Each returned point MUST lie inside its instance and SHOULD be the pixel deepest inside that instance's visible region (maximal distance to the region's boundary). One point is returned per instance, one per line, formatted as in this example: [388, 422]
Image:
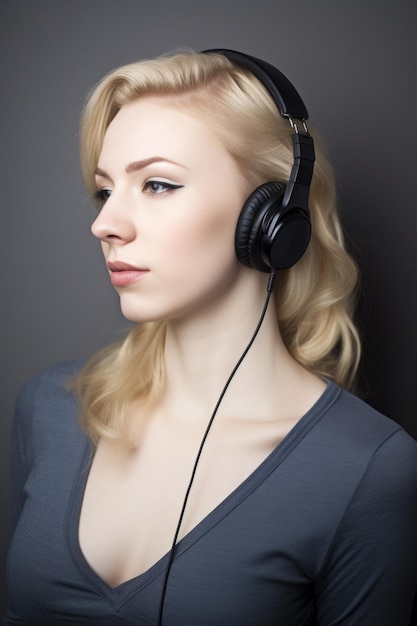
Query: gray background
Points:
[354, 64]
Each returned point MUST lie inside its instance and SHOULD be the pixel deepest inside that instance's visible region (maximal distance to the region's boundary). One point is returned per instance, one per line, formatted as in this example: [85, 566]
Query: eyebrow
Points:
[138, 165]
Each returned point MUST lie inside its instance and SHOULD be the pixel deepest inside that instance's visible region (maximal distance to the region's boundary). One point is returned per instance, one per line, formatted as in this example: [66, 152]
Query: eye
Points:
[156, 187]
[101, 196]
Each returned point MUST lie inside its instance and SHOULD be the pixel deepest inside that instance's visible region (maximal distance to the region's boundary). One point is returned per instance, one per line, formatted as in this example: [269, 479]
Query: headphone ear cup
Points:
[249, 231]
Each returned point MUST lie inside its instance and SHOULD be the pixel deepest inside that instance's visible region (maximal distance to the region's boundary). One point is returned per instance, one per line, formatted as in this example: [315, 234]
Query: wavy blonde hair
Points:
[314, 299]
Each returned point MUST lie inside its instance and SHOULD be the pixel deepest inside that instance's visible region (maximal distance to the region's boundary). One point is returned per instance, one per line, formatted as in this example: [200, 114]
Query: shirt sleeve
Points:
[369, 575]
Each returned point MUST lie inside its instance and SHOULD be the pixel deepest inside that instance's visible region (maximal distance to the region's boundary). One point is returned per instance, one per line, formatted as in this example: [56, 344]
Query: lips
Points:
[120, 266]
[123, 274]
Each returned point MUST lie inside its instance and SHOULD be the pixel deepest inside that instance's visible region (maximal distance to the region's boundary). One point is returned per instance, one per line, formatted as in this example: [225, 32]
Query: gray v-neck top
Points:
[323, 532]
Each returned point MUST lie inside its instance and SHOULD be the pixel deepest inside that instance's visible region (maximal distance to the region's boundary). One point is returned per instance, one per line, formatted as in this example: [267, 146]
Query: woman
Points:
[222, 474]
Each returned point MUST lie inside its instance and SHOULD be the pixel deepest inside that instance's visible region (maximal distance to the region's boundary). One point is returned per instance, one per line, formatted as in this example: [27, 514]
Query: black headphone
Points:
[274, 228]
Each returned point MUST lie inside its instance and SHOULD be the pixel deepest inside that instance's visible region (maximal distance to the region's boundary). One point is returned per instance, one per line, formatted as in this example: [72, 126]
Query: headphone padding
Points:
[250, 223]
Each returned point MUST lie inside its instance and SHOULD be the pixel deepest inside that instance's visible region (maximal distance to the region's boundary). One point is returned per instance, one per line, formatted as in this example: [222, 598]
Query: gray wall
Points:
[354, 64]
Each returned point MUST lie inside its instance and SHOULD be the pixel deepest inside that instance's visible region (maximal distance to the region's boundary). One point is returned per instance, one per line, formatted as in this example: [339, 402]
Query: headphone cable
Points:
[270, 288]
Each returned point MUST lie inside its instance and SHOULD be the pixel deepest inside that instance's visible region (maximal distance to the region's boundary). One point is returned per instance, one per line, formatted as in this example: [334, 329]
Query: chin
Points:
[141, 314]
[137, 317]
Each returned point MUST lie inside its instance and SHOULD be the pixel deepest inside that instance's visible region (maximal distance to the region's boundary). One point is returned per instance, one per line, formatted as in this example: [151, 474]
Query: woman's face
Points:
[170, 196]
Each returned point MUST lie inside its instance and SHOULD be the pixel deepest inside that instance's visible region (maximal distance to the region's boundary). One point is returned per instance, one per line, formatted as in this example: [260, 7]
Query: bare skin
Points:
[212, 305]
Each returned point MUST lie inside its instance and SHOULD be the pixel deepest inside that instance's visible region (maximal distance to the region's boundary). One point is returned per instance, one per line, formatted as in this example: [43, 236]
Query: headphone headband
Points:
[283, 92]
[274, 227]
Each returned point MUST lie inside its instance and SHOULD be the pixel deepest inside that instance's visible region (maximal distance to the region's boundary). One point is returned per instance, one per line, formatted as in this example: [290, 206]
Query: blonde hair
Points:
[314, 299]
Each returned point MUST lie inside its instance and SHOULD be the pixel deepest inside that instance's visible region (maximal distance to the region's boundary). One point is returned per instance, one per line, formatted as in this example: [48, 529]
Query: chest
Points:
[235, 567]
[133, 501]
[249, 561]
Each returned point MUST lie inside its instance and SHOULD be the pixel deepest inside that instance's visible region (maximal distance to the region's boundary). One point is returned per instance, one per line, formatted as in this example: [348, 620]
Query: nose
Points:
[113, 224]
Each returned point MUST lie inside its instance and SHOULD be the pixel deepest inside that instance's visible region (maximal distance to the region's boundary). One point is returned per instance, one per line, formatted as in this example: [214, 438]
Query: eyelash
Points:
[102, 195]
[147, 187]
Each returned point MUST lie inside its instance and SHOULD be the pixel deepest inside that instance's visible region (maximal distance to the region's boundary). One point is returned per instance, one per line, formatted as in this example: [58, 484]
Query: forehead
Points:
[151, 123]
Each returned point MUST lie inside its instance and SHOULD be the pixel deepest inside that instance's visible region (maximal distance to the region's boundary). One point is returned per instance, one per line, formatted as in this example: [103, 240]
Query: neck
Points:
[200, 358]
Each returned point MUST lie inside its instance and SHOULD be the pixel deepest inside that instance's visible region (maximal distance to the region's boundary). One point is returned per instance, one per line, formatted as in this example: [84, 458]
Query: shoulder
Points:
[353, 450]
[390, 453]
[377, 459]
[350, 423]
[45, 402]
[56, 376]
[49, 382]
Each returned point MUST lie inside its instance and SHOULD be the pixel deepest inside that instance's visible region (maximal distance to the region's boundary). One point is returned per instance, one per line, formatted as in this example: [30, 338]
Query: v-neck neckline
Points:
[122, 593]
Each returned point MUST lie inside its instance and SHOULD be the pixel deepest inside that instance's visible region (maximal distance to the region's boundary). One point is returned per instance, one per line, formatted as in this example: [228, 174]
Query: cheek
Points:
[209, 230]
[193, 243]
